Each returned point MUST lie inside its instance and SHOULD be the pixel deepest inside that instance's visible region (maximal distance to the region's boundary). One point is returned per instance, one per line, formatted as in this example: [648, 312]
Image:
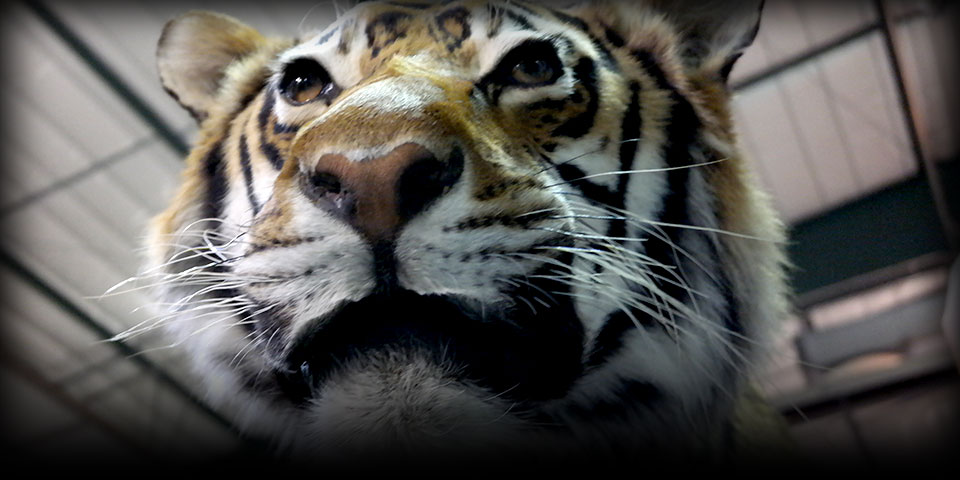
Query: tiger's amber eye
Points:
[304, 80]
[304, 89]
[533, 63]
[533, 71]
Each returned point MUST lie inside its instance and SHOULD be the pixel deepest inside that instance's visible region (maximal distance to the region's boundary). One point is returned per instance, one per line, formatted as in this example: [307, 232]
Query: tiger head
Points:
[476, 226]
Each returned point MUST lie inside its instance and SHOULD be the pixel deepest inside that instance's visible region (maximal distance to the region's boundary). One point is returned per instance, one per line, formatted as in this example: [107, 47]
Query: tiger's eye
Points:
[533, 71]
[533, 63]
[305, 80]
[304, 89]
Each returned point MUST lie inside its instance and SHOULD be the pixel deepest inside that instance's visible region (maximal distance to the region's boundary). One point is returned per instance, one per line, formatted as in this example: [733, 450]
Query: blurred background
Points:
[847, 109]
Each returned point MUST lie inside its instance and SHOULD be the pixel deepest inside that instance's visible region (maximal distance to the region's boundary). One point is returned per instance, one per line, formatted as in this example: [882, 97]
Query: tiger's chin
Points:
[403, 405]
[401, 373]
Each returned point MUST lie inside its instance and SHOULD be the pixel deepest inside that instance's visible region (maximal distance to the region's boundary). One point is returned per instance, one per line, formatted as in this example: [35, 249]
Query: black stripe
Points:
[411, 5]
[326, 38]
[629, 144]
[388, 27]
[609, 339]
[731, 313]
[282, 128]
[681, 134]
[571, 20]
[518, 19]
[525, 8]
[613, 38]
[272, 154]
[649, 64]
[460, 15]
[265, 111]
[249, 98]
[573, 175]
[608, 58]
[584, 73]
[214, 172]
[215, 175]
[347, 30]
[506, 220]
[275, 243]
[578, 23]
[263, 119]
[248, 173]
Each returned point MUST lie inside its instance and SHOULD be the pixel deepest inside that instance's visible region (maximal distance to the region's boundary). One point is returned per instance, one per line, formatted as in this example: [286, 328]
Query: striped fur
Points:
[579, 265]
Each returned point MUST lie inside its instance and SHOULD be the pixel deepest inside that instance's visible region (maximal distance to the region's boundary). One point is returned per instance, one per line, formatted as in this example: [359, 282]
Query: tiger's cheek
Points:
[541, 120]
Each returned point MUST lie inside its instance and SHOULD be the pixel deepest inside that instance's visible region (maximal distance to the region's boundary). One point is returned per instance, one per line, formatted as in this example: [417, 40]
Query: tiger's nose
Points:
[378, 196]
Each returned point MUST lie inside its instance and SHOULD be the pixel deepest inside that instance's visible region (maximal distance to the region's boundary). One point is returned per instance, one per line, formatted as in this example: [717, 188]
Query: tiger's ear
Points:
[714, 33]
[710, 34]
[194, 52]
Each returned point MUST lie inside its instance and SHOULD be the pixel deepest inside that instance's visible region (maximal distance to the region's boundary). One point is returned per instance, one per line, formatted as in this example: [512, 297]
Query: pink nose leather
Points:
[378, 195]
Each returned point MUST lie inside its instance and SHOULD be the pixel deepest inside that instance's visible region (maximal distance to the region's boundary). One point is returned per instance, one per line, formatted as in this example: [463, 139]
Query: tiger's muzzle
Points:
[513, 353]
[388, 173]
[378, 195]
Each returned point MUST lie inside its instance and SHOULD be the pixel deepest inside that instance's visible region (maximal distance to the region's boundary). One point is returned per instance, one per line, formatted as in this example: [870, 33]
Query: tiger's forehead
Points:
[447, 23]
[464, 36]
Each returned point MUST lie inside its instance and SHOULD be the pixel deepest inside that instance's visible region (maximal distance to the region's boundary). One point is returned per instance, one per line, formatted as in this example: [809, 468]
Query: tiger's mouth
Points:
[519, 352]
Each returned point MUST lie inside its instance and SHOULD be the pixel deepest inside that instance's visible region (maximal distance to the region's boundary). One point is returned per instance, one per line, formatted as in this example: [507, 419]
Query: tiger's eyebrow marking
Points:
[385, 29]
[347, 31]
[454, 26]
[326, 37]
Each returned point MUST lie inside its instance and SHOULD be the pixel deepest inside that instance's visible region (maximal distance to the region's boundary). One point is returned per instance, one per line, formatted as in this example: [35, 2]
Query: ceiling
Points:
[92, 147]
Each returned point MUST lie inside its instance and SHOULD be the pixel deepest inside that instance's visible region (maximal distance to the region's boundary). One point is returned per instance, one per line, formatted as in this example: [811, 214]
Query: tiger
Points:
[492, 229]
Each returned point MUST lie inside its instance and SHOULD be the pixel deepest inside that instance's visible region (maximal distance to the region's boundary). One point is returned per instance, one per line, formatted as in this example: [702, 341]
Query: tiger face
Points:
[476, 226]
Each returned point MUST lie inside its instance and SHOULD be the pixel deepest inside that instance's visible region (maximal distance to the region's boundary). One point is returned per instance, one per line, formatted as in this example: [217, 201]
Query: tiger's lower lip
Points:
[523, 355]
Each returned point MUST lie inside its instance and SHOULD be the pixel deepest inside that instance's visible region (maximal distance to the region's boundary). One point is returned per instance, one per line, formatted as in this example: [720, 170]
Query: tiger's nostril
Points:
[426, 179]
[325, 189]
[328, 182]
